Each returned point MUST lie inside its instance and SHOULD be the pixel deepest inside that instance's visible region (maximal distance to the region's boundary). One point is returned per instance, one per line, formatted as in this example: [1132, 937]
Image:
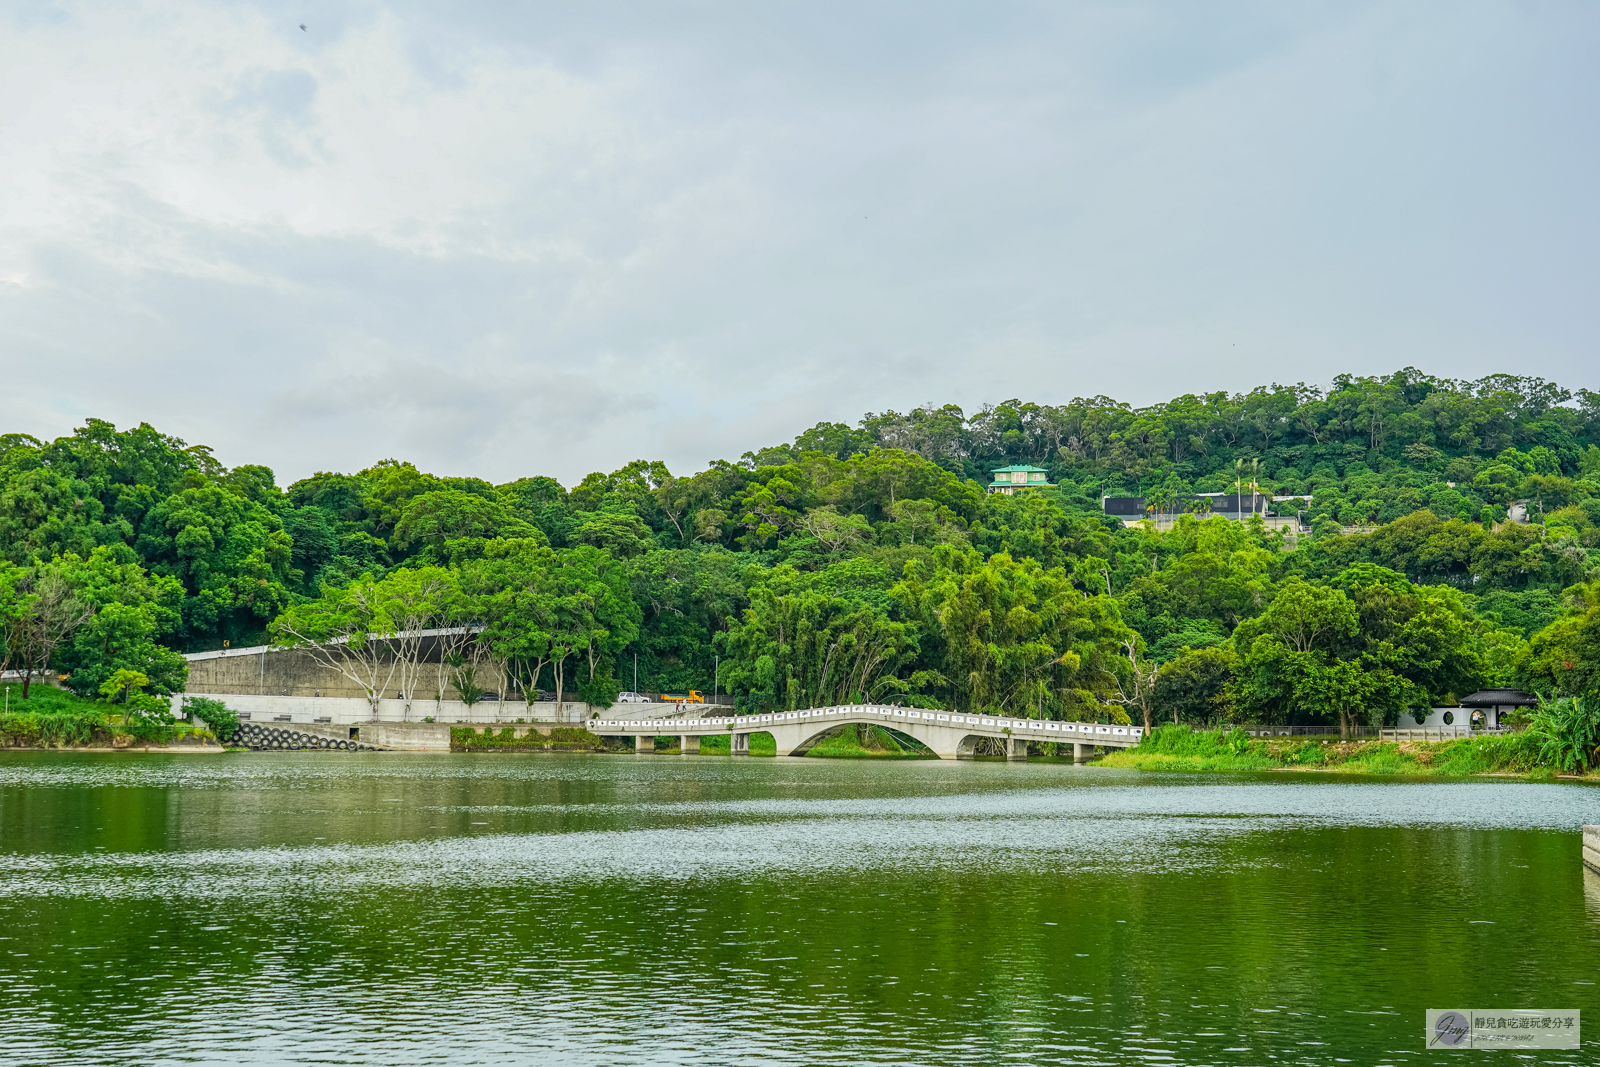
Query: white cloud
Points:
[519, 239]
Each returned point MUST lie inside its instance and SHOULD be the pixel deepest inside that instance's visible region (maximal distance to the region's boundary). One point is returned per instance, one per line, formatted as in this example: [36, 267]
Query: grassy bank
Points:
[722, 745]
[853, 741]
[1177, 749]
[56, 718]
[558, 739]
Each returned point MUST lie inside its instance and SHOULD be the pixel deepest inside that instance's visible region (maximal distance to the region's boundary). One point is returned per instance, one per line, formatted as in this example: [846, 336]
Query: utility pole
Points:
[716, 675]
[636, 672]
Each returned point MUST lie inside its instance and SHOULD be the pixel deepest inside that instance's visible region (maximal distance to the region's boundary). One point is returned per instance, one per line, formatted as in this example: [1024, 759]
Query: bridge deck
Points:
[881, 714]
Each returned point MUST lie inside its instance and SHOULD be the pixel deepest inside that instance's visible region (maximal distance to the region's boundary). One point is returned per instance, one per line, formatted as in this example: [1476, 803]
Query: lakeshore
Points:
[1495, 756]
[1513, 755]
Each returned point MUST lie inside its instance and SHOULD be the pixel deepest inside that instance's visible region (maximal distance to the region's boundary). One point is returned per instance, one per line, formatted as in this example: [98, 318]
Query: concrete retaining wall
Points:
[407, 736]
[1591, 848]
[401, 736]
[262, 671]
[352, 710]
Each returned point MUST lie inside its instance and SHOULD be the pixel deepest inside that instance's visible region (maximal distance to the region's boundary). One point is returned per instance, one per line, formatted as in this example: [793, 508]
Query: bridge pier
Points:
[1078, 752]
[689, 744]
[644, 742]
[739, 744]
[1016, 749]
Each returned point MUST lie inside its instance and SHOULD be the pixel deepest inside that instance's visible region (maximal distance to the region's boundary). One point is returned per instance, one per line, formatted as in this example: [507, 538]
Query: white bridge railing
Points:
[1033, 729]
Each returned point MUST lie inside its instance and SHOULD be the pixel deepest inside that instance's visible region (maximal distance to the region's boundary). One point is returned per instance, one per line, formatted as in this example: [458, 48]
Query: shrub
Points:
[1495, 752]
[1306, 754]
[69, 728]
[50, 727]
[20, 728]
[1568, 731]
[218, 717]
[1384, 759]
[1173, 739]
[1178, 748]
[147, 718]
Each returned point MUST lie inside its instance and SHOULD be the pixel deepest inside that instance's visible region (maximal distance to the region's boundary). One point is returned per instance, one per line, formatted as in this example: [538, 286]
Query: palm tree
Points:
[1158, 500]
[1238, 484]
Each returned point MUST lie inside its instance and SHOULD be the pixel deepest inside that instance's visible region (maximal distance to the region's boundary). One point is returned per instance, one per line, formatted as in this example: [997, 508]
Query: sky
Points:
[505, 239]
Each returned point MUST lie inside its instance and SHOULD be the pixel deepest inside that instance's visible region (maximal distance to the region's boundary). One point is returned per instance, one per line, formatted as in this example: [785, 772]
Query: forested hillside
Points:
[869, 562]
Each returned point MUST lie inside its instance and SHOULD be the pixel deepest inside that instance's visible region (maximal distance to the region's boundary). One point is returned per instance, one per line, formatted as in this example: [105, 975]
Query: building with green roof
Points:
[1017, 477]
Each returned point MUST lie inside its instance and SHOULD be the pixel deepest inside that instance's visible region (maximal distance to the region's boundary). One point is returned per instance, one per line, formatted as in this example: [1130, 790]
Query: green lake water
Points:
[549, 909]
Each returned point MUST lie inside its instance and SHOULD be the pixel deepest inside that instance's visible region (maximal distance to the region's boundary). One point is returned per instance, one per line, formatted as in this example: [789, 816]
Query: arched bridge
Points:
[948, 734]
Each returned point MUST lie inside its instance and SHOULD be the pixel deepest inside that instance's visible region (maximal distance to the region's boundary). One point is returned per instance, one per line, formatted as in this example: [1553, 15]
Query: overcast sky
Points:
[517, 238]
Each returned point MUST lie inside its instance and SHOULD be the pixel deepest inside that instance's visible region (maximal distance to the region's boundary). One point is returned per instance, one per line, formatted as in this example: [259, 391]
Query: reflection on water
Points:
[603, 910]
[1591, 894]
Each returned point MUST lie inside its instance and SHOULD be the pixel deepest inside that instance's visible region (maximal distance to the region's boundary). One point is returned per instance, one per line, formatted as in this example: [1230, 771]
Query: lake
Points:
[553, 909]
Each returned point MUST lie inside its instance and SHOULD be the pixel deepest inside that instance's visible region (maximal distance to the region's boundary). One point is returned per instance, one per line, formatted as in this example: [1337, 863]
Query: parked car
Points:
[632, 698]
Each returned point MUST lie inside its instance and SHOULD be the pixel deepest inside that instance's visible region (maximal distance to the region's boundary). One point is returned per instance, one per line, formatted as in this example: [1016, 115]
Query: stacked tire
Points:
[278, 739]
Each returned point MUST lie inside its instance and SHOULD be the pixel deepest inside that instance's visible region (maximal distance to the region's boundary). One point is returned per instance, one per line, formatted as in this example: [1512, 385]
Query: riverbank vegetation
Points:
[53, 717]
[1177, 748]
[509, 739]
[871, 563]
[865, 741]
[761, 744]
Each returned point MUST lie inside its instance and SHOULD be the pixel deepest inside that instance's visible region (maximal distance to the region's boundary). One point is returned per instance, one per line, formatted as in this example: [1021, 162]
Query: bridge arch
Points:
[943, 737]
[823, 729]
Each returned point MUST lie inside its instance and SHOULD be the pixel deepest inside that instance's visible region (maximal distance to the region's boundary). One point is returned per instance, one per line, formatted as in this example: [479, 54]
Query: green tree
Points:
[370, 630]
[806, 649]
[231, 555]
[431, 519]
[1197, 685]
[1013, 637]
[1286, 655]
[16, 604]
[687, 597]
[1304, 618]
[545, 608]
[120, 688]
[218, 717]
[130, 619]
[1563, 659]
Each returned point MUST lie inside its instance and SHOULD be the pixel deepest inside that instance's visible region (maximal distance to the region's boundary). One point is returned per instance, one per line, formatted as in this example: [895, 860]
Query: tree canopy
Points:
[1453, 526]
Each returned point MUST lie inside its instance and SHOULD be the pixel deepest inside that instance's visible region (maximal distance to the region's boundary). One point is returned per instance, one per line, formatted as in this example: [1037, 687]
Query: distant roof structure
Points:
[1499, 698]
[257, 650]
[1019, 476]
